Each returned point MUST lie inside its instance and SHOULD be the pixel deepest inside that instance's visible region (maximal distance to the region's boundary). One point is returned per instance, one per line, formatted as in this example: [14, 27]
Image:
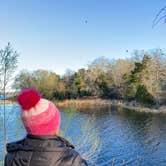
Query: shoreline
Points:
[98, 102]
[90, 103]
[161, 109]
[7, 102]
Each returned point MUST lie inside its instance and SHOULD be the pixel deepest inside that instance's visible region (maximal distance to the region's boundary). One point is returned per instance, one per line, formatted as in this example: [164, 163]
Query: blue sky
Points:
[68, 34]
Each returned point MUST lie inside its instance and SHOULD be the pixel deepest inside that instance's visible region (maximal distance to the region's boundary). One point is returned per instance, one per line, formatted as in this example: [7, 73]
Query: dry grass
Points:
[83, 103]
[97, 102]
[7, 102]
[91, 103]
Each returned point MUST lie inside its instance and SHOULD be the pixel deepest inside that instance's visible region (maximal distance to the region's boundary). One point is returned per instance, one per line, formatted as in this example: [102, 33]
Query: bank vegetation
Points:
[140, 79]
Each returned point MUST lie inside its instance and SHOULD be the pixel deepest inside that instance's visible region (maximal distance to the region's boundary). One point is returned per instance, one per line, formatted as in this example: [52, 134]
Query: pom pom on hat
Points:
[28, 98]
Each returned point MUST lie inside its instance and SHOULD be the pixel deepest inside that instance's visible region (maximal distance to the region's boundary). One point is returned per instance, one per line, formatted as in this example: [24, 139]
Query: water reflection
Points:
[106, 136]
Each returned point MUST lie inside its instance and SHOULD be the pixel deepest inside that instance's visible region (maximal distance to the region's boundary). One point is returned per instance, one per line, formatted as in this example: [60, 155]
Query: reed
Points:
[7, 102]
[92, 103]
[83, 103]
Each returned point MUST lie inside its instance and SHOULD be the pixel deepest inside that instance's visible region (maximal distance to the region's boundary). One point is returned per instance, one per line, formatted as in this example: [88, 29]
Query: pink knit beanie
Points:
[39, 116]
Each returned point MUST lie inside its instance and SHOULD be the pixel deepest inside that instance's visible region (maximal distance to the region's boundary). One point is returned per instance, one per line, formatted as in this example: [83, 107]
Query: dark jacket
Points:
[42, 151]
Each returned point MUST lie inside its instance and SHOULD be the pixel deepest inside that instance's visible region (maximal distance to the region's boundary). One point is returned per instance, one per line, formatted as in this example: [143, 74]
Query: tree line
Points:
[141, 78]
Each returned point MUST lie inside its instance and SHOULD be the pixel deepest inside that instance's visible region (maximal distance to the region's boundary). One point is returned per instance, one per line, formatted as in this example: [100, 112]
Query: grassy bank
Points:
[97, 102]
[83, 103]
[161, 109]
[90, 103]
[7, 102]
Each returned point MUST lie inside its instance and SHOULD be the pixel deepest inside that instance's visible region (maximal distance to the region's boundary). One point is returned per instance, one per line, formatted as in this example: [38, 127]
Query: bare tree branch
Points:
[8, 64]
[161, 15]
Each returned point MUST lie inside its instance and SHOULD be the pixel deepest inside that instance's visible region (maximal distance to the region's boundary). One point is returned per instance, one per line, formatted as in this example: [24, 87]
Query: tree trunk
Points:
[4, 113]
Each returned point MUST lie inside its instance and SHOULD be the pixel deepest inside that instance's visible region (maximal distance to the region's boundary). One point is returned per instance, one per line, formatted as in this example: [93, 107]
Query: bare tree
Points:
[8, 64]
[161, 16]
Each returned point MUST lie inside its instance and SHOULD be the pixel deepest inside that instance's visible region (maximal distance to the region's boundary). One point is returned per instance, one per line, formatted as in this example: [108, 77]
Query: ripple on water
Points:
[106, 137]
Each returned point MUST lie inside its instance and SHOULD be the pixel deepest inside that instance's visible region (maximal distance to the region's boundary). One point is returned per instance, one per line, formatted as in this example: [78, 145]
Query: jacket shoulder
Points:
[73, 158]
[55, 151]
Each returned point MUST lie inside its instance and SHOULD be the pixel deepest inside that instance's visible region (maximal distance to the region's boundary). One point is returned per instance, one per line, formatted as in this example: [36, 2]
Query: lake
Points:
[105, 136]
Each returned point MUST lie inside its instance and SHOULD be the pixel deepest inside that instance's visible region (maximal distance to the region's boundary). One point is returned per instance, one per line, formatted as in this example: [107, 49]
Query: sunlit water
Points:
[105, 136]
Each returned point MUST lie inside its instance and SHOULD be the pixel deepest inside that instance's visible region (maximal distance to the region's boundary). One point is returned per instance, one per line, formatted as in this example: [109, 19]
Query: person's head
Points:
[39, 116]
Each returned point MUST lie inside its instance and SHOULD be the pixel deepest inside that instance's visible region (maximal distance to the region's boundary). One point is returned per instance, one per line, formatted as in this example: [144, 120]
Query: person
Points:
[42, 146]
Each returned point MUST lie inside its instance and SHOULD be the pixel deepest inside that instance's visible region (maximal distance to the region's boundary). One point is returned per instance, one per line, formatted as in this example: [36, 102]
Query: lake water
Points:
[105, 136]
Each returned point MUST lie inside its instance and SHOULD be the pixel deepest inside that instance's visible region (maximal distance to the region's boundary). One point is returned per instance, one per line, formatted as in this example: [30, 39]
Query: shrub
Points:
[143, 96]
